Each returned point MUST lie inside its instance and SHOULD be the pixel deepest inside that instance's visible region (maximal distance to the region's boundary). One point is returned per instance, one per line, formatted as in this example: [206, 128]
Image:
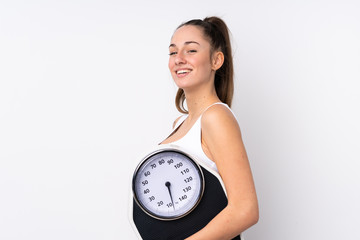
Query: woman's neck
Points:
[198, 101]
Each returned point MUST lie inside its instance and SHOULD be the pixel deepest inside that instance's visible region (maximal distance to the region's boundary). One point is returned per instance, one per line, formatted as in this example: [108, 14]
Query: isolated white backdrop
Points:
[84, 88]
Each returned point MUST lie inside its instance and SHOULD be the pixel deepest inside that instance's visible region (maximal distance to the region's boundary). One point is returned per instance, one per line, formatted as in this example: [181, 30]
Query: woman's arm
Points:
[222, 142]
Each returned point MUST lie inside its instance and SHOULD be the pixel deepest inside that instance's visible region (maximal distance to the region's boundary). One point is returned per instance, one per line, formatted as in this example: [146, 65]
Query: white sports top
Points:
[191, 142]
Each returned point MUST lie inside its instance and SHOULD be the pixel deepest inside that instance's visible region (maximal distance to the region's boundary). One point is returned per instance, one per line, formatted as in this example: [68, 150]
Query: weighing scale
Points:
[174, 195]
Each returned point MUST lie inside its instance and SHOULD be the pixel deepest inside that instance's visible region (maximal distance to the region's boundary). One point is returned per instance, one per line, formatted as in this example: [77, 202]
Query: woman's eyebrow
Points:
[186, 43]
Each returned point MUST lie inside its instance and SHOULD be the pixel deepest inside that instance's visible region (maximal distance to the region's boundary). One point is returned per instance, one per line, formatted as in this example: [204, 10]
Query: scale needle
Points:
[167, 184]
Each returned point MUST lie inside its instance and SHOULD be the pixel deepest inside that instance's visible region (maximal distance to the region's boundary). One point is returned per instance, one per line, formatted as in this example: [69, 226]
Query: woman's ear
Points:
[217, 60]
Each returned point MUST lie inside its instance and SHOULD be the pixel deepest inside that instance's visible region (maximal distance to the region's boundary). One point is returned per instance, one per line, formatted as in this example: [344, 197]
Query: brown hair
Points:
[217, 32]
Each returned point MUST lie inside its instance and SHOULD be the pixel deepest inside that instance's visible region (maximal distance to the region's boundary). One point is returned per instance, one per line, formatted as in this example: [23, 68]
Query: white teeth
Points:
[183, 71]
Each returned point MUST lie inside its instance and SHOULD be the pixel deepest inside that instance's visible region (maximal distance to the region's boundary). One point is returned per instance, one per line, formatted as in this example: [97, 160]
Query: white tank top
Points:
[191, 142]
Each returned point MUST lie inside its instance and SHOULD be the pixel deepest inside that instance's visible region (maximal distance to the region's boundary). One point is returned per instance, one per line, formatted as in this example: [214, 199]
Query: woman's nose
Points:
[179, 59]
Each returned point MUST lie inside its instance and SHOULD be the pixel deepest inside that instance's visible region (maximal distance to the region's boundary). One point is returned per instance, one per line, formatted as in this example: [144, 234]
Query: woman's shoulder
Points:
[218, 112]
[218, 117]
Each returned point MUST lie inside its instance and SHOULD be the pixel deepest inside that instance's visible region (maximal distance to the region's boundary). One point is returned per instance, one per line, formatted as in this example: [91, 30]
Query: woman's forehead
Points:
[186, 34]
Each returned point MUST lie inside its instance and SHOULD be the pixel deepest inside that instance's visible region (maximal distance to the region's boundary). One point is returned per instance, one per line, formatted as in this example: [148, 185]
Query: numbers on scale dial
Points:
[177, 189]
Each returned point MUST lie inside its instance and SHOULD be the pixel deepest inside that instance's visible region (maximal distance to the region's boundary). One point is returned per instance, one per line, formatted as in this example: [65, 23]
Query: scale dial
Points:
[168, 184]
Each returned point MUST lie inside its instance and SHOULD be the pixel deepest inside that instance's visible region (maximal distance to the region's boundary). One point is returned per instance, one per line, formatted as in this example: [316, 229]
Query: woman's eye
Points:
[192, 51]
[172, 53]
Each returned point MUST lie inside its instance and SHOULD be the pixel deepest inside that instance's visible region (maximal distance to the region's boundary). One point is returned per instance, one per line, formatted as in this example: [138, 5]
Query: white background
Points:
[84, 89]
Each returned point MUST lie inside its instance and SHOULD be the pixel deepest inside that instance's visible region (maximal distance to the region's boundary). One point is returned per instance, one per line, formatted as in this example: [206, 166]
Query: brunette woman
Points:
[201, 65]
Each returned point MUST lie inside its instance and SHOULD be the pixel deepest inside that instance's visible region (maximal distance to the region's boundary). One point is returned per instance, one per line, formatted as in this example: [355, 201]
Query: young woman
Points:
[201, 65]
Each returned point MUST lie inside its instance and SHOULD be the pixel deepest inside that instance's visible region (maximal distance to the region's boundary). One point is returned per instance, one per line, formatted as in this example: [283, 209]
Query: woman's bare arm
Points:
[222, 142]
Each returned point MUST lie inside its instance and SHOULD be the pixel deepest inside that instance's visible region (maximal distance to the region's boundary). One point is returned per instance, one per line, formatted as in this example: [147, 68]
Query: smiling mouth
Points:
[183, 72]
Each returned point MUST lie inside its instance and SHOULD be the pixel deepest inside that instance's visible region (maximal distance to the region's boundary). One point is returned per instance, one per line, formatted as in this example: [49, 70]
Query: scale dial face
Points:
[168, 184]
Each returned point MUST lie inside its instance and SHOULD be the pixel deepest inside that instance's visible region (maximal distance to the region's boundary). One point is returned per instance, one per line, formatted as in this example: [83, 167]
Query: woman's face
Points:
[190, 61]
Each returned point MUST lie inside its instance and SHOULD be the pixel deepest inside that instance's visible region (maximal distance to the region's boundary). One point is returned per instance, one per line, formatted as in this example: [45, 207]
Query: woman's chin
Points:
[182, 83]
